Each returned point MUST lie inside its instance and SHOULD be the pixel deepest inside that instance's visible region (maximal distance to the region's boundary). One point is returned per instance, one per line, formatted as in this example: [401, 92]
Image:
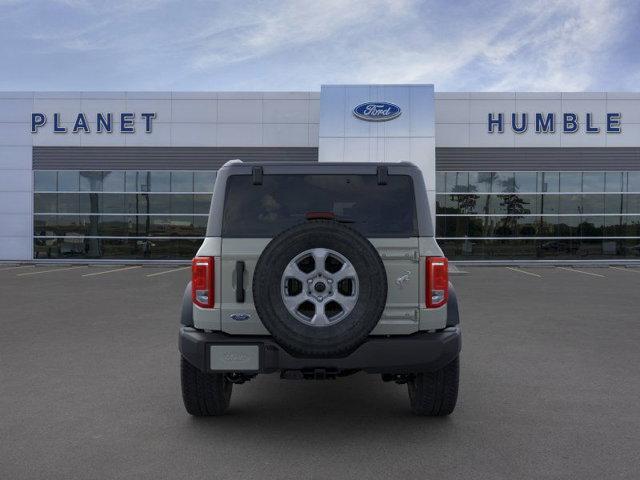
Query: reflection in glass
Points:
[158, 181]
[68, 181]
[504, 182]
[613, 182]
[592, 203]
[549, 182]
[90, 181]
[45, 181]
[113, 181]
[571, 181]
[526, 182]
[457, 182]
[593, 181]
[633, 182]
[182, 181]
[204, 181]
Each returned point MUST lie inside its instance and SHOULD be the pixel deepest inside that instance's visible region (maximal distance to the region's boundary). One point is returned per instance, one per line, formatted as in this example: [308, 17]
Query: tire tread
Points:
[204, 394]
[435, 394]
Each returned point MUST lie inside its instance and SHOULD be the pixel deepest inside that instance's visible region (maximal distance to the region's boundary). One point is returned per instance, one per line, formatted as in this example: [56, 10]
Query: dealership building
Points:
[129, 175]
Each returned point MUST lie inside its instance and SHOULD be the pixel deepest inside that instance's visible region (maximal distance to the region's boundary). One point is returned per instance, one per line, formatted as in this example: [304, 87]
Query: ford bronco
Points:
[319, 271]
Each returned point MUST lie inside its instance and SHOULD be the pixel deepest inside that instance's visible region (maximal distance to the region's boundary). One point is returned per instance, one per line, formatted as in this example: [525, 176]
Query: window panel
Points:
[526, 182]
[136, 181]
[441, 223]
[632, 225]
[593, 181]
[592, 203]
[440, 182]
[613, 182]
[548, 226]
[549, 182]
[204, 181]
[201, 203]
[631, 203]
[592, 226]
[181, 203]
[476, 226]
[571, 203]
[68, 181]
[45, 180]
[527, 226]
[113, 181]
[569, 226]
[68, 203]
[504, 182]
[45, 203]
[549, 204]
[614, 226]
[156, 203]
[182, 181]
[613, 203]
[91, 181]
[628, 248]
[570, 181]
[587, 249]
[441, 201]
[633, 181]
[159, 181]
[112, 203]
[503, 226]
[457, 226]
[457, 182]
[480, 181]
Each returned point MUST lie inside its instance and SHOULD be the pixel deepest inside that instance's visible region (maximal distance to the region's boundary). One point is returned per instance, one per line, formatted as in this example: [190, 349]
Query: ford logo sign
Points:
[377, 111]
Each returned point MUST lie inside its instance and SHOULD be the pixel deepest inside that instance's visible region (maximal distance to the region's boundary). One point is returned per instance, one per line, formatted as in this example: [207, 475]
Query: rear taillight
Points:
[202, 285]
[437, 275]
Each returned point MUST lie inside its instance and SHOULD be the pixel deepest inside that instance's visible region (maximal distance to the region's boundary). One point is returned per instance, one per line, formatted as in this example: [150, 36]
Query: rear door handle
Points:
[240, 281]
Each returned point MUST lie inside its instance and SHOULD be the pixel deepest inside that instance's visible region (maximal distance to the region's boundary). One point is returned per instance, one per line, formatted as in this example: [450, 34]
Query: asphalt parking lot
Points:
[89, 387]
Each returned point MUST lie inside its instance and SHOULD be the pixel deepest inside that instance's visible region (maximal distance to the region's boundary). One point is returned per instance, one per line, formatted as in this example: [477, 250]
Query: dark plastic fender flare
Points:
[186, 315]
[453, 312]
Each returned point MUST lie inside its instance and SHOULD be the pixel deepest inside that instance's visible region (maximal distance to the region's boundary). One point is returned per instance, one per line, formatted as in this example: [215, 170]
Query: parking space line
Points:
[581, 271]
[49, 271]
[514, 269]
[112, 271]
[626, 269]
[15, 268]
[167, 271]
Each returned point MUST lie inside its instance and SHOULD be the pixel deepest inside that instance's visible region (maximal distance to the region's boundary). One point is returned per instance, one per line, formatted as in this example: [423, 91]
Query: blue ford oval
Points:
[377, 111]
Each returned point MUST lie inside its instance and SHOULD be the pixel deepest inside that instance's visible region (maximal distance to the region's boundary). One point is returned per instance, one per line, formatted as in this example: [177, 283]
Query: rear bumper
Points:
[420, 352]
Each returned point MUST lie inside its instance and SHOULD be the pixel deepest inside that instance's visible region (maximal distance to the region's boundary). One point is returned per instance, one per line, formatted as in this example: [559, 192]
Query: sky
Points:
[283, 45]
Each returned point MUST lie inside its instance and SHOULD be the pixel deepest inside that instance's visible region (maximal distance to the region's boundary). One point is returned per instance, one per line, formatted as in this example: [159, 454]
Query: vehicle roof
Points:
[241, 163]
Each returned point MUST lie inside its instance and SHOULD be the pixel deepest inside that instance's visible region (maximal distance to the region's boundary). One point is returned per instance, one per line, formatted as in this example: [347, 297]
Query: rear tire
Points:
[434, 394]
[204, 394]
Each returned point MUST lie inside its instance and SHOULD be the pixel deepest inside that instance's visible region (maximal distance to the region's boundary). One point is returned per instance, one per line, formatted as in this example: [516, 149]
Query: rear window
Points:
[285, 200]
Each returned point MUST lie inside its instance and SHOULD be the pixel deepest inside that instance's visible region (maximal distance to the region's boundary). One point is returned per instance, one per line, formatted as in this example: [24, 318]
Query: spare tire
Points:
[320, 288]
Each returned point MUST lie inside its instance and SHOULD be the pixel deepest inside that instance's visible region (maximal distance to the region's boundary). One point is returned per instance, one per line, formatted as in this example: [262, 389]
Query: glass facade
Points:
[154, 215]
[538, 215]
[162, 215]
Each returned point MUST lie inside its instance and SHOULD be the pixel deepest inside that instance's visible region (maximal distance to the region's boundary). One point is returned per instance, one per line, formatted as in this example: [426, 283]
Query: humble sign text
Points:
[551, 122]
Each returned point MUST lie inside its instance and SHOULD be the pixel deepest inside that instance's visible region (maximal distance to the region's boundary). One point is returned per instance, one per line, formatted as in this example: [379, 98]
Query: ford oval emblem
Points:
[377, 111]
[240, 317]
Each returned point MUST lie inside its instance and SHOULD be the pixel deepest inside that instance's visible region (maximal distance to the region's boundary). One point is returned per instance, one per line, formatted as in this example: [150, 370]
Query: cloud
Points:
[299, 44]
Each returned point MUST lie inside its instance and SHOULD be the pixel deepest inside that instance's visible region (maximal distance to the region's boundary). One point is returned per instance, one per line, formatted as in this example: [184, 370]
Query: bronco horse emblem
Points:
[402, 279]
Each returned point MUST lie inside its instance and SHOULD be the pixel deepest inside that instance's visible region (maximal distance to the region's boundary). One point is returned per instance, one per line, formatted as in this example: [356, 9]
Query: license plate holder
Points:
[234, 358]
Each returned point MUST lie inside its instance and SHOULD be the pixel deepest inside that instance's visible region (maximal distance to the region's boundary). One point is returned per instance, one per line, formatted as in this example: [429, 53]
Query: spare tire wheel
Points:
[320, 288]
